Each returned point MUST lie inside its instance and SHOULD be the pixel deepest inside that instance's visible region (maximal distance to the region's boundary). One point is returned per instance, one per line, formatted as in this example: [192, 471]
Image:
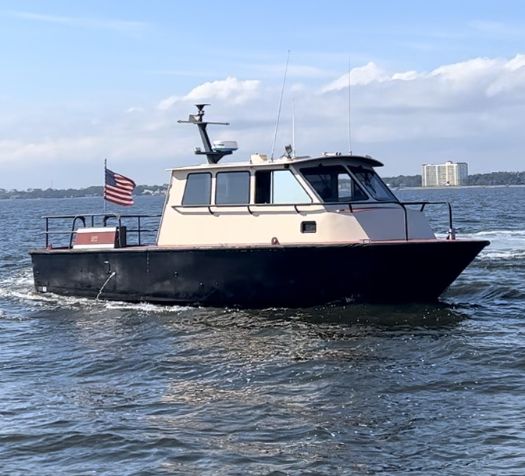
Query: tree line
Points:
[492, 178]
[94, 191]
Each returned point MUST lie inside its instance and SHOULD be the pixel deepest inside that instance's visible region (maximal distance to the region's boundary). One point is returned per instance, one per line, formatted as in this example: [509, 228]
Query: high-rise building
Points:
[441, 175]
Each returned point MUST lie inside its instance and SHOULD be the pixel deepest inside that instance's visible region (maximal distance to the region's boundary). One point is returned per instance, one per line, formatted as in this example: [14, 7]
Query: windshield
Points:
[333, 183]
[373, 184]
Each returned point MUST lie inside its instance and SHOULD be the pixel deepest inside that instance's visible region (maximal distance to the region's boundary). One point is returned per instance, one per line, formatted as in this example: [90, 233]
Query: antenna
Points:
[280, 104]
[349, 108]
[293, 127]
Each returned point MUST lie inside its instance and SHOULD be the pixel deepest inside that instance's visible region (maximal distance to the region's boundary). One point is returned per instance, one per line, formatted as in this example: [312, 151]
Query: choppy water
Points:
[90, 387]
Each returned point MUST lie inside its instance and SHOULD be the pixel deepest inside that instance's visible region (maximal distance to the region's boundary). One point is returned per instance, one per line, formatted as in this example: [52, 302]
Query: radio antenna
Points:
[349, 108]
[293, 127]
[280, 105]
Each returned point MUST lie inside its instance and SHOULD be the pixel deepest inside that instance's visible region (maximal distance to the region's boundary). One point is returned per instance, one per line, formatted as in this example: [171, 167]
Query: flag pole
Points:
[103, 194]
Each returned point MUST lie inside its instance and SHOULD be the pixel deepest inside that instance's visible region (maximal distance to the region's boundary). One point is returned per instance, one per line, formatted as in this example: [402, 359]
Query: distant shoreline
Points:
[491, 179]
[34, 195]
[401, 182]
[88, 192]
[453, 187]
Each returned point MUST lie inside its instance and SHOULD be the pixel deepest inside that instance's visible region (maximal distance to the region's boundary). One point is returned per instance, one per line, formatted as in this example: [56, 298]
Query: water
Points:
[91, 387]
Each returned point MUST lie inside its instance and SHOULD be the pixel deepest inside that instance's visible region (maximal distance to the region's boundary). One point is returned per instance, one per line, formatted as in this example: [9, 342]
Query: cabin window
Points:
[333, 183]
[233, 188]
[279, 187]
[198, 189]
[373, 184]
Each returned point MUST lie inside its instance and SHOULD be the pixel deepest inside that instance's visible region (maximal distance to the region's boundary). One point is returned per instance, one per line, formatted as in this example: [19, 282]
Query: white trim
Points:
[106, 229]
[94, 246]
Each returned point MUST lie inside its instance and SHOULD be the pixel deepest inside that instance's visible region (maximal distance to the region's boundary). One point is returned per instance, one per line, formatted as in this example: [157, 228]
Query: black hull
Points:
[290, 276]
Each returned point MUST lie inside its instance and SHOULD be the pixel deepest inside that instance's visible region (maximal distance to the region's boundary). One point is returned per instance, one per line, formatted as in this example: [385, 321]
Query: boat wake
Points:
[477, 286]
[18, 289]
[504, 244]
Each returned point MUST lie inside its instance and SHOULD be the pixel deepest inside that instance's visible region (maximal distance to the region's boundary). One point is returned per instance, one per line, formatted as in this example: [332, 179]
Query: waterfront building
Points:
[441, 175]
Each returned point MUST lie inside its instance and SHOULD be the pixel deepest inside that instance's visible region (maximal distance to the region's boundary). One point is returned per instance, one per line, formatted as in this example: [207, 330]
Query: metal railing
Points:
[143, 221]
[352, 206]
[100, 219]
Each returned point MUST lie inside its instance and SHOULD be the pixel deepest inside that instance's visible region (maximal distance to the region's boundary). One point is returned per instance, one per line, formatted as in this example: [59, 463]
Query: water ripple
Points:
[95, 387]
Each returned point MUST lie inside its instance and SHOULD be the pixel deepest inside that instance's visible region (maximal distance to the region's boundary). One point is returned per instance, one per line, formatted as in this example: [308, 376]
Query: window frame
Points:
[216, 178]
[186, 189]
[344, 169]
[360, 168]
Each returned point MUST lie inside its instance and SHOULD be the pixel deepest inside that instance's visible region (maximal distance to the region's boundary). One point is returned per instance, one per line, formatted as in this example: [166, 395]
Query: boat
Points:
[285, 232]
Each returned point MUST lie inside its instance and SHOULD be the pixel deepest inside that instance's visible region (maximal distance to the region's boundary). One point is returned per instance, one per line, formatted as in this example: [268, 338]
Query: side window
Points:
[286, 188]
[232, 188]
[279, 186]
[198, 189]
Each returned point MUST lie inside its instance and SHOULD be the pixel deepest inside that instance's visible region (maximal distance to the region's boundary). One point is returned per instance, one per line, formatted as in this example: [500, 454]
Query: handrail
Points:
[83, 220]
[351, 207]
[249, 206]
[295, 206]
[143, 215]
[424, 203]
[139, 230]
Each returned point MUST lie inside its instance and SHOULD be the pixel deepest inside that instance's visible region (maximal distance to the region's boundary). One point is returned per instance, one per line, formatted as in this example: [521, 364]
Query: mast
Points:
[104, 186]
[212, 153]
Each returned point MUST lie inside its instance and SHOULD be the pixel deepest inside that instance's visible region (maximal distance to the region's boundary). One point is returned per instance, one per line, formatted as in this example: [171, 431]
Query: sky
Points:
[84, 81]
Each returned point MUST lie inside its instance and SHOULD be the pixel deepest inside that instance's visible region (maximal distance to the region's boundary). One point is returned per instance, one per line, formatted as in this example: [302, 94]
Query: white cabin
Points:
[327, 199]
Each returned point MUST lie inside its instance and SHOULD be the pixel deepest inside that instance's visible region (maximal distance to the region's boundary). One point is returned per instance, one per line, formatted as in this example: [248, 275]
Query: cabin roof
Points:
[357, 159]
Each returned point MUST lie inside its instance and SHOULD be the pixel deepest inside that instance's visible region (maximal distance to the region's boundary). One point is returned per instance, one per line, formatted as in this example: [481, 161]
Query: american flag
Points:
[118, 188]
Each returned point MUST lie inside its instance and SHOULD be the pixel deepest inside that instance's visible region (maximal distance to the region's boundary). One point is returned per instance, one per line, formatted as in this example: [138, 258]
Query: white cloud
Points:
[361, 75]
[515, 63]
[229, 89]
[468, 71]
[462, 111]
[168, 103]
[406, 76]
[461, 73]
[511, 80]
[466, 110]
[482, 77]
